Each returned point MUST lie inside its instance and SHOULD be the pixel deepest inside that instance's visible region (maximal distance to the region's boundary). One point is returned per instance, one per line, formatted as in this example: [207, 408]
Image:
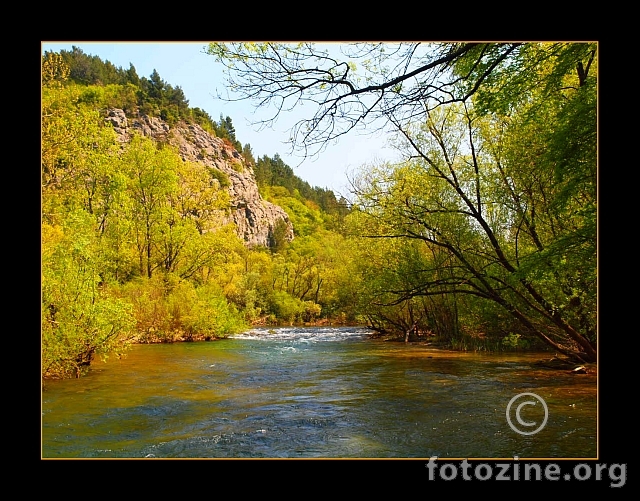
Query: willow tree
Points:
[504, 237]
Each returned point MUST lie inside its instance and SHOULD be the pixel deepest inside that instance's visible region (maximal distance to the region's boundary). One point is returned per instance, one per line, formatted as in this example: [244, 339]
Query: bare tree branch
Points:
[402, 80]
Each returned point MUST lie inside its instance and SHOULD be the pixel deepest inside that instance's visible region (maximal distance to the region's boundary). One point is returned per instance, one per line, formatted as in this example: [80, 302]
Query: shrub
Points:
[286, 307]
[237, 166]
[514, 341]
[220, 176]
[211, 315]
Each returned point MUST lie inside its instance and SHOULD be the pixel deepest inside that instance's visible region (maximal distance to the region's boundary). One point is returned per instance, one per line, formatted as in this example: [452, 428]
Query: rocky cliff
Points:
[255, 218]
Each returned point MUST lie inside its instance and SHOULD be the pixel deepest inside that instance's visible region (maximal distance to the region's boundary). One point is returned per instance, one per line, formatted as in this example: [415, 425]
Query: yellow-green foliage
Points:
[136, 247]
[237, 165]
[305, 215]
[110, 96]
[221, 177]
[168, 309]
[54, 70]
[80, 320]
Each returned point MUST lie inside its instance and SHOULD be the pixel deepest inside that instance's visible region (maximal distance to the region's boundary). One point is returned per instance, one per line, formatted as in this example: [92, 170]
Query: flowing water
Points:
[315, 393]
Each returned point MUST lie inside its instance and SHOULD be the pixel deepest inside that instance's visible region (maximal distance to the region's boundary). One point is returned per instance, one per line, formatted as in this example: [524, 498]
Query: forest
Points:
[483, 238]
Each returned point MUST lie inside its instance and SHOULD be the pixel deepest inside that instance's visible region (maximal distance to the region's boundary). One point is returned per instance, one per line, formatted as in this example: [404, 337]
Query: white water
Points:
[324, 392]
[305, 335]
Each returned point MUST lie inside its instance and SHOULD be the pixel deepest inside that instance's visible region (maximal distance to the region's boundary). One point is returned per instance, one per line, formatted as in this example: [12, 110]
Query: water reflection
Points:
[313, 393]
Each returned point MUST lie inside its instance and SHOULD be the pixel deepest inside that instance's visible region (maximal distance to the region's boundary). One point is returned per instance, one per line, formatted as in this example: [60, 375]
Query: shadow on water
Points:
[322, 392]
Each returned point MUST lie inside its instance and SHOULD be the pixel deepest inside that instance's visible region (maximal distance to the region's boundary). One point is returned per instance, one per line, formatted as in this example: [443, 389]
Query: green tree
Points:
[502, 252]
[247, 153]
[462, 112]
[278, 236]
[153, 177]
[132, 75]
[79, 318]
[54, 69]
[155, 85]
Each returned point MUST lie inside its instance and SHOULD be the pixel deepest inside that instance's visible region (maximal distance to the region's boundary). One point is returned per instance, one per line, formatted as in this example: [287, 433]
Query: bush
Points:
[237, 166]
[211, 315]
[168, 310]
[153, 318]
[286, 307]
[514, 341]
[220, 176]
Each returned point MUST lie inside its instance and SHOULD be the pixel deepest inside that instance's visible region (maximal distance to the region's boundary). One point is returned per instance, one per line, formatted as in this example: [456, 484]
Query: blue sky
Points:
[185, 64]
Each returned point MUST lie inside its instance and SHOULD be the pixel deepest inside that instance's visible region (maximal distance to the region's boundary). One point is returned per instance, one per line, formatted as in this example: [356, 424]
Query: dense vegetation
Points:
[485, 237]
[491, 220]
[134, 248]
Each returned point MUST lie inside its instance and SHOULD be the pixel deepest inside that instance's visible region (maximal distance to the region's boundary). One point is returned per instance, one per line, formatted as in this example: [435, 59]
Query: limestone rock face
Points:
[254, 217]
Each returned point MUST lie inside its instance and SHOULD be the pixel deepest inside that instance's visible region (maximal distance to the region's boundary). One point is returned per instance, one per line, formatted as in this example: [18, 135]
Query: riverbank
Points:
[180, 336]
[465, 345]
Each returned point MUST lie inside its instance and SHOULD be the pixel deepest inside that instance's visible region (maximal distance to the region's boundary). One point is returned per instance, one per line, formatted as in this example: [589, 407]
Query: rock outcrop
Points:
[255, 218]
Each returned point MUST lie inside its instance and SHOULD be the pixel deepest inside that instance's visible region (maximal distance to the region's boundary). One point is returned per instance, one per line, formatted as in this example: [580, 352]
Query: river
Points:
[316, 393]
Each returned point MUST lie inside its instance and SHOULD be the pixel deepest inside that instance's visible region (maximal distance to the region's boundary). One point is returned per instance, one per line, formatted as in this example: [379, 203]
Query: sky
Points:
[185, 64]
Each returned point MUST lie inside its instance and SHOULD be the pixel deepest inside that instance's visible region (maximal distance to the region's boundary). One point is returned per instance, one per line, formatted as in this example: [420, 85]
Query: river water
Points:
[316, 393]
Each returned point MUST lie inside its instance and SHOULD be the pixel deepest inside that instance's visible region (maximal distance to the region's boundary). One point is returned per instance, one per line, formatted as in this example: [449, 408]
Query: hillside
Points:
[255, 219]
[159, 226]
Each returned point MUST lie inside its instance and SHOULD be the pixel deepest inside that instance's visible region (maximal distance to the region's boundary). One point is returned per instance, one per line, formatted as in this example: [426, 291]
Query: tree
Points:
[81, 192]
[496, 225]
[195, 209]
[54, 69]
[226, 130]
[132, 75]
[156, 85]
[393, 82]
[153, 178]
[500, 142]
[247, 153]
[278, 236]
[79, 318]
